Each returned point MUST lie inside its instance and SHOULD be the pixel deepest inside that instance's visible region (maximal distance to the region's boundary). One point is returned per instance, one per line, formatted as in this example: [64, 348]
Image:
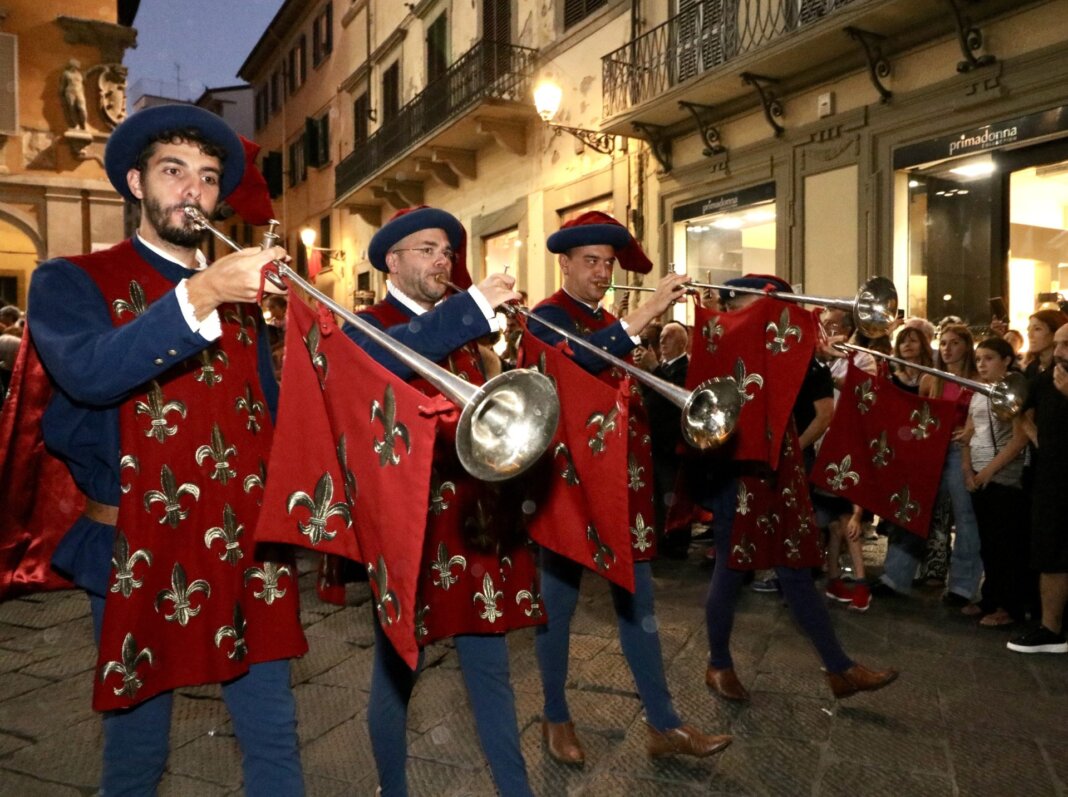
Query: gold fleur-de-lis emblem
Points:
[321, 509]
[438, 489]
[132, 658]
[135, 306]
[634, 474]
[386, 603]
[768, 523]
[171, 496]
[603, 556]
[318, 358]
[743, 550]
[907, 509]
[128, 461]
[348, 478]
[235, 632]
[569, 474]
[489, 597]
[840, 473]
[254, 480]
[480, 524]
[534, 610]
[244, 322]
[181, 596]
[230, 533]
[157, 411]
[881, 452]
[442, 567]
[865, 396]
[208, 373]
[711, 332]
[421, 631]
[269, 575]
[744, 497]
[793, 548]
[542, 367]
[743, 381]
[252, 406]
[604, 423]
[643, 534]
[505, 566]
[220, 452]
[924, 421]
[124, 563]
[385, 412]
[783, 330]
[789, 497]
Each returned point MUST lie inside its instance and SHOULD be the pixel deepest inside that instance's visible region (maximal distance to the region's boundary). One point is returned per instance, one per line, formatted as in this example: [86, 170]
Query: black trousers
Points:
[1004, 534]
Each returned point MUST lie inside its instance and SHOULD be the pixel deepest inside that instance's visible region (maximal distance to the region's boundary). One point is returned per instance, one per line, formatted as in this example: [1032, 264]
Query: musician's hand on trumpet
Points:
[233, 278]
[499, 289]
[672, 288]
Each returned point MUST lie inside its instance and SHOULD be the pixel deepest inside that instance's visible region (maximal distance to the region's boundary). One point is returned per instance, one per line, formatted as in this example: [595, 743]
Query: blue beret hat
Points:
[130, 138]
[757, 282]
[408, 221]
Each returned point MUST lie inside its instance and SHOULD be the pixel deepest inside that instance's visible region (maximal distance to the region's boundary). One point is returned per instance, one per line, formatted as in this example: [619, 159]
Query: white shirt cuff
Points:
[484, 306]
[635, 339]
[210, 328]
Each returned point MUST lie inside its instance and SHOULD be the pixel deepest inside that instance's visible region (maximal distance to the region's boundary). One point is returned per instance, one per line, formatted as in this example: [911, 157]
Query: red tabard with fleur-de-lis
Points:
[190, 602]
[639, 442]
[478, 574]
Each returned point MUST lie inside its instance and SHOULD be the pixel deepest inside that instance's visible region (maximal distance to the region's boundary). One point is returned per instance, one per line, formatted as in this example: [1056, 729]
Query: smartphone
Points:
[900, 313]
[998, 308]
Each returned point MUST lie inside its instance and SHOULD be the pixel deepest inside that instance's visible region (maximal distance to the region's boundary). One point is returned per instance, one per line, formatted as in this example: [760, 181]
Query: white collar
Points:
[202, 262]
[403, 298]
[674, 360]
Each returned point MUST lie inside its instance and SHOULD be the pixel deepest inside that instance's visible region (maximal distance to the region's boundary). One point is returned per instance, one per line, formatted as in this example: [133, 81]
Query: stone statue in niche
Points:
[72, 92]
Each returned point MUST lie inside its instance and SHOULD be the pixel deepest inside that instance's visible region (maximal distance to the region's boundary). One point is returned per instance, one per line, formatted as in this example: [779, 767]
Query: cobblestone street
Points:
[966, 718]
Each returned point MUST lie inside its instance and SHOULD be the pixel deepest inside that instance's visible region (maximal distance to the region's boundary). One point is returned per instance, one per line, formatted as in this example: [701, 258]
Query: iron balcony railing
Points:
[702, 37]
[489, 70]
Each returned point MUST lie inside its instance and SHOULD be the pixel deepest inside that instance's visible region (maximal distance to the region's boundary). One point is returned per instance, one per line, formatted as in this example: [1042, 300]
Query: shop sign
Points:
[721, 203]
[982, 139]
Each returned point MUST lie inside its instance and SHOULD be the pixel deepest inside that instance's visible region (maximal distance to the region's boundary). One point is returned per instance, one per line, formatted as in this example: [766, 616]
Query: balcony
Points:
[433, 134]
[700, 54]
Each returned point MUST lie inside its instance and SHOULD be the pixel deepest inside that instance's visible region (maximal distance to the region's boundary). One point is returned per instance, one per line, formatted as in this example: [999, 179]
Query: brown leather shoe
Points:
[684, 740]
[562, 743]
[725, 683]
[859, 678]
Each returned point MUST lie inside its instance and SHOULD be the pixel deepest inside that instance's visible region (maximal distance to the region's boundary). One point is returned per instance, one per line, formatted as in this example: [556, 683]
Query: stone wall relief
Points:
[107, 83]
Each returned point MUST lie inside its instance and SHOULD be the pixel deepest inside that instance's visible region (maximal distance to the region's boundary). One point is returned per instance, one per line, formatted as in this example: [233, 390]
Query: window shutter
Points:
[9, 84]
[272, 173]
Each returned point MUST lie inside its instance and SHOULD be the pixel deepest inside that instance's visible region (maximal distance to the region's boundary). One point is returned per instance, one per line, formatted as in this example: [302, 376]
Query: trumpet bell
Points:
[507, 425]
[710, 415]
[876, 307]
[1007, 397]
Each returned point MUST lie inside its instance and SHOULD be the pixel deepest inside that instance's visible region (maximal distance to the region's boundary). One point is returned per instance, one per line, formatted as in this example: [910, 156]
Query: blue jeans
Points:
[484, 665]
[264, 713]
[638, 637]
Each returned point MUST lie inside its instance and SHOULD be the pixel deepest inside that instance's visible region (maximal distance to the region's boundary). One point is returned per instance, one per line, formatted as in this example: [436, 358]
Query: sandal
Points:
[998, 619]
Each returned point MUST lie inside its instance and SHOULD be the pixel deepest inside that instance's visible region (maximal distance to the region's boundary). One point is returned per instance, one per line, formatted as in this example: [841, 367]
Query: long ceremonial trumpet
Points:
[874, 307]
[709, 411]
[505, 424]
[1007, 397]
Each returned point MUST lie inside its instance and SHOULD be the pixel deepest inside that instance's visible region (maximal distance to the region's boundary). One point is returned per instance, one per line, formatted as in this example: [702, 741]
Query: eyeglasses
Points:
[430, 252]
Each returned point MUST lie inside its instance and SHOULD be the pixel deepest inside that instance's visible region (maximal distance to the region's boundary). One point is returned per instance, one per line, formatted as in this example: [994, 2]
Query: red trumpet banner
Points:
[885, 449]
[580, 495]
[765, 348]
[350, 465]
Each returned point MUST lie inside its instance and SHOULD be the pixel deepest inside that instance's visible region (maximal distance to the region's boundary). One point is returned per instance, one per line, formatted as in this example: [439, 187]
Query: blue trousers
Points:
[638, 636]
[806, 604]
[264, 714]
[484, 665]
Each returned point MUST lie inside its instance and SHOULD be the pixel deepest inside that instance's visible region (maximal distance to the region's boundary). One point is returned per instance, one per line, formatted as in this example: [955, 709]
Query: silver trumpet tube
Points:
[505, 425]
[874, 307]
[1007, 397]
[709, 411]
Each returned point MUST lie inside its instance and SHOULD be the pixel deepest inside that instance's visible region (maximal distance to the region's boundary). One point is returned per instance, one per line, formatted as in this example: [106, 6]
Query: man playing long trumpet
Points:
[588, 250]
[149, 351]
[477, 577]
